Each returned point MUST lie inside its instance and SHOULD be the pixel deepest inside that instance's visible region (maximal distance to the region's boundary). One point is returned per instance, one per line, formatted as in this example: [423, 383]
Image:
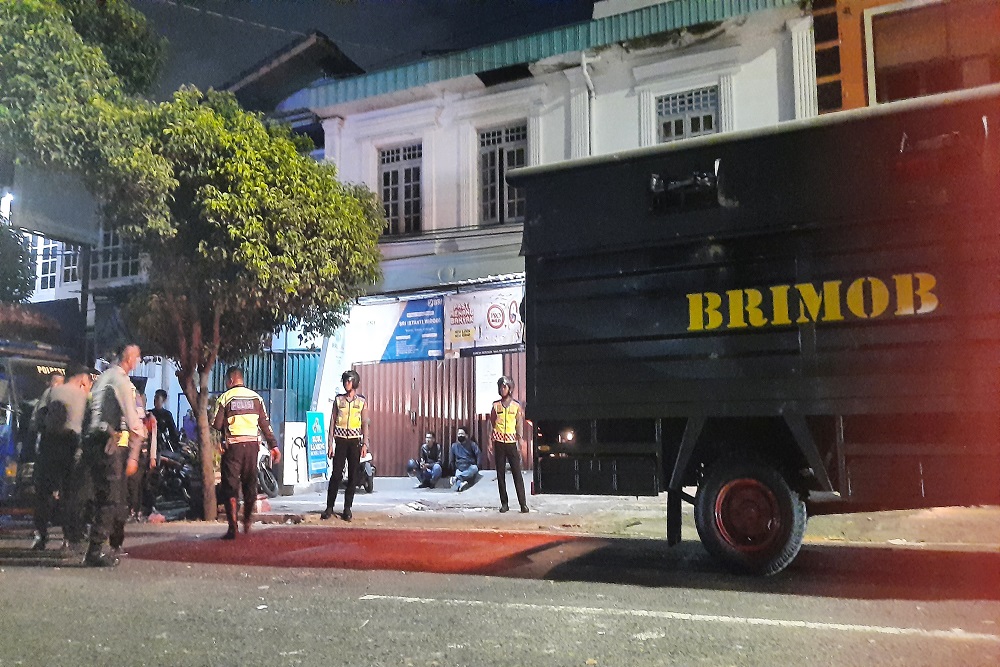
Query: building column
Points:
[727, 104]
[535, 136]
[647, 119]
[333, 132]
[804, 66]
[579, 114]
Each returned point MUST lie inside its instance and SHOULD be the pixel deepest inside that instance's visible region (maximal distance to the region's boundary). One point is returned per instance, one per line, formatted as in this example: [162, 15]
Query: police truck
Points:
[772, 323]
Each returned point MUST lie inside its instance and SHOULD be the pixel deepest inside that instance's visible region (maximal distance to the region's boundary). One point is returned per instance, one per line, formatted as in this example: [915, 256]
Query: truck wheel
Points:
[749, 517]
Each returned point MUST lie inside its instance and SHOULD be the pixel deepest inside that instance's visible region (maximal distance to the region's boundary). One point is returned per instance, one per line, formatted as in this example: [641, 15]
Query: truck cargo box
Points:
[821, 295]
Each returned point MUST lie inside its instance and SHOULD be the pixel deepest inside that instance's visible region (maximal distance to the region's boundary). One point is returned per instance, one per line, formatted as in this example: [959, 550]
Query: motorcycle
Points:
[267, 483]
[365, 477]
[178, 487]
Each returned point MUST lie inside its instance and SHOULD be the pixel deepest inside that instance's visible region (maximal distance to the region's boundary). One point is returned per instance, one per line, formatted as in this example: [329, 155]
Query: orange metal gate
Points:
[408, 398]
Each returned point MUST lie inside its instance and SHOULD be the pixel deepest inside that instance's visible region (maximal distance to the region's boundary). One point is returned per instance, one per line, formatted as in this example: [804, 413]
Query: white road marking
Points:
[953, 634]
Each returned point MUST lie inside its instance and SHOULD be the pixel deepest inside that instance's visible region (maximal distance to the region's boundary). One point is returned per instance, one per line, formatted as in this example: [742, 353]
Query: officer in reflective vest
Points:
[240, 414]
[350, 433]
[507, 418]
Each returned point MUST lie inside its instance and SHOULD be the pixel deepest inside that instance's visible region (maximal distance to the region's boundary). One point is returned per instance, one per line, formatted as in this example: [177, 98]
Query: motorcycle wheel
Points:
[266, 480]
[369, 482]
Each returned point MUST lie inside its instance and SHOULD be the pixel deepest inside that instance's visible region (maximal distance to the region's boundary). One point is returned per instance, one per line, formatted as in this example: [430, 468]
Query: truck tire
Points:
[749, 517]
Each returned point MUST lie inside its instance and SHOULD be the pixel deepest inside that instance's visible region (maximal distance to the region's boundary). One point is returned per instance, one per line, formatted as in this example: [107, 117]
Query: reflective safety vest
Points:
[505, 424]
[243, 415]
[348, 421]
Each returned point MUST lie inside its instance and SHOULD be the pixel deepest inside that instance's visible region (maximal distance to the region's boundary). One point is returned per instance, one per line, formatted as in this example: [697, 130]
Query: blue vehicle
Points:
[24, 373]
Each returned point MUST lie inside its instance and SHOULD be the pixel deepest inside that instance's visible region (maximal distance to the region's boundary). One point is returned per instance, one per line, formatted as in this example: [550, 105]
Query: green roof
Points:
[644, 22]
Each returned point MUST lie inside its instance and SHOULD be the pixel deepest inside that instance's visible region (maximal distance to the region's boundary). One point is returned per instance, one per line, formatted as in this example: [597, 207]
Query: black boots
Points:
[97, 558]
[231, 519]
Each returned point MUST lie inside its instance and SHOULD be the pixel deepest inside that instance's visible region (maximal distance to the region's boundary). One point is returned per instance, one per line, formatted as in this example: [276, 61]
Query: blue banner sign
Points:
[419, 333]
[316, 439]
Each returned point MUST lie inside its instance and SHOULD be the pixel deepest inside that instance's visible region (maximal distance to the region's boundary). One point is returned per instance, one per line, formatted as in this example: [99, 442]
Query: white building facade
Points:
[435, 139]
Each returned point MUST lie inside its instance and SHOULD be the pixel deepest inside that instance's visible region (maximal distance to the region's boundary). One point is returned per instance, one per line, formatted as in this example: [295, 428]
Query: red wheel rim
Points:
[747, 515]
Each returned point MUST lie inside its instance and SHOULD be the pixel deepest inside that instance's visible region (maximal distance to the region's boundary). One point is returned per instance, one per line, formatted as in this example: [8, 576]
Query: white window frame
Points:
[45, 254]
[402, 162]
[500, 148]
[869, 15]
[687, 109]
[113, 258]
[70, 264]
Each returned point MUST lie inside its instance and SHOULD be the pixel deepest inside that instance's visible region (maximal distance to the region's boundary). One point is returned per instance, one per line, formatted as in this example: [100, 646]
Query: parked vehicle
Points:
[365, 477]
[24, 374]
[177, 492]
[797, 317]
[267, 483]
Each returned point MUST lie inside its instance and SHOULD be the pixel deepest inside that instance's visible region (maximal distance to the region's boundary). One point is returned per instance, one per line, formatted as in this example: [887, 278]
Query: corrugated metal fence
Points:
[264, 373]
[407, 399]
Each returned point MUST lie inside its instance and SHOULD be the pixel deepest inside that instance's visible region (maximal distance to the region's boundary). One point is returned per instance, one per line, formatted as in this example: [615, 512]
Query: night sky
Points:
[212, 41]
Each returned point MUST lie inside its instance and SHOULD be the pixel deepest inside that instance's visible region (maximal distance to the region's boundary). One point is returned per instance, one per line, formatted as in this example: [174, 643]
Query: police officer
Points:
[111, 452]
[507, 418]
[57, 449]
[240, 414]
[350, 431]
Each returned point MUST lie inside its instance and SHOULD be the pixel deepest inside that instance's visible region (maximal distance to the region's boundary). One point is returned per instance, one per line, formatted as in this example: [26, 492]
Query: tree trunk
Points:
[210, 500]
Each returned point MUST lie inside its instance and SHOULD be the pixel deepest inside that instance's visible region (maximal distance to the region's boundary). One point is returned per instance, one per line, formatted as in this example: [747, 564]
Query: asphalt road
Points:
[603, 607]
[437, 578]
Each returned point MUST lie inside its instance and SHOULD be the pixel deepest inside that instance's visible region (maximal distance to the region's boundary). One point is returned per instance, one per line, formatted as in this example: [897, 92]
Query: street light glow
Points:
[5, 203]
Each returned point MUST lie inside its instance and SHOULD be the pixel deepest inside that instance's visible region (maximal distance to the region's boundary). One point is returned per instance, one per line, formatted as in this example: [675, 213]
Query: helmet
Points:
[506, 380]
[353, 377]
[412, 468]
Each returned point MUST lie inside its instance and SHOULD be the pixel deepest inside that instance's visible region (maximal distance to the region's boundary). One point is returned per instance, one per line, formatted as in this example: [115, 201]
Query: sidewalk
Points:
[395, 502]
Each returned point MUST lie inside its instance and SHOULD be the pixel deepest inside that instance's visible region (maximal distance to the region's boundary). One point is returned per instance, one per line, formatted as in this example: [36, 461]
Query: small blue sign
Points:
[316, 439]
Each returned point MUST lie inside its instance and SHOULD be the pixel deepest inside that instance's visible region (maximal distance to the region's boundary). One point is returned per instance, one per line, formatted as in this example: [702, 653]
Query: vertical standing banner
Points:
[316, 443]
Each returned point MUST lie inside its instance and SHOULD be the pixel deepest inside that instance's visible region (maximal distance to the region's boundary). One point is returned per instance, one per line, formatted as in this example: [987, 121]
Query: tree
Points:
[132, 50]
[260, 236]
[17, 279]
[244, 234]
[63, 107]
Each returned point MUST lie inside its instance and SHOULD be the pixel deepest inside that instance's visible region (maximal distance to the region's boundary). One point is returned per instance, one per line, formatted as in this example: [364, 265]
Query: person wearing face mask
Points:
[465, 458]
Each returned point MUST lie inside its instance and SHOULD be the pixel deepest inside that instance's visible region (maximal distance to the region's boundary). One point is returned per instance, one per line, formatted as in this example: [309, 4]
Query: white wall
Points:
[746, 58]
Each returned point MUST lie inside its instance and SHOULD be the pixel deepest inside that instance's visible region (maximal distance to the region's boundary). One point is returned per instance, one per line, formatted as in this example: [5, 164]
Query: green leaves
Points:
[243, 232]
[265, 234]
[17, 277]
[63, 107]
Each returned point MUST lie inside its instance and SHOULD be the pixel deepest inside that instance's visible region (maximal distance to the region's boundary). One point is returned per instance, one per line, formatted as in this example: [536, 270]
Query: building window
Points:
[114, 258]
[689, 114]
[45, 254]
[500, 150]
[920, 48]
[70, 263]
[399, 173]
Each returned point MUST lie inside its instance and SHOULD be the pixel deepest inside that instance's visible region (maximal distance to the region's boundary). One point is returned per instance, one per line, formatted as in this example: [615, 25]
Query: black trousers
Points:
[504, 452]
[347, 450]
[239, 473]
[54, 472]
[138, 500]
[106, 464]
